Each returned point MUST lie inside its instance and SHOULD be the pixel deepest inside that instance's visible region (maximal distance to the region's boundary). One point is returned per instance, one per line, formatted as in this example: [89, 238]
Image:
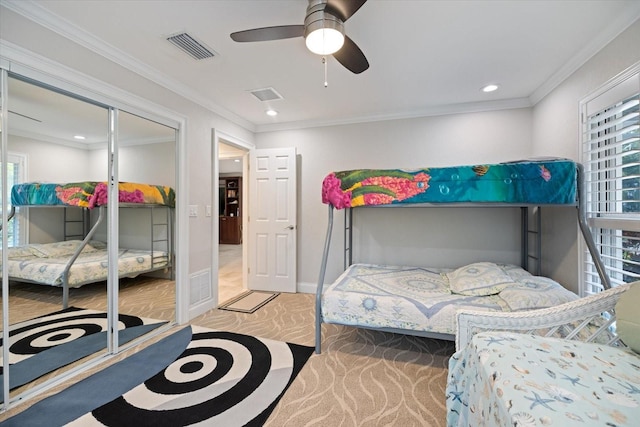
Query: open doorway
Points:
[231, 207]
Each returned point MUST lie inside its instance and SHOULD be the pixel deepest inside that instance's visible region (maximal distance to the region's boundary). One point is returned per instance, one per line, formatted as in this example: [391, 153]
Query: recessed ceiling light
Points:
[271, 113]
[79, 137]
[490, 88]
[236, 160]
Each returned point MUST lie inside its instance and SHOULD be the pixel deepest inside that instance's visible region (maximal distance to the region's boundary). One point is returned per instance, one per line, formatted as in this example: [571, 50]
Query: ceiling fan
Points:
[323, 31]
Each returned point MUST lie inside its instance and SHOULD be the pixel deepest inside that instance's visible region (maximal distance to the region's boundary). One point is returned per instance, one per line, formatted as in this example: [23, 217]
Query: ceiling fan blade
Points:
[344, 9]
[268, 33]
[26, 117]
[351, 57]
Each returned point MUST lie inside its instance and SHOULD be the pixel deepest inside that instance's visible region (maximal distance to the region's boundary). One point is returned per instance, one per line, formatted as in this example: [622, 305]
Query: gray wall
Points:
[556, 132]
[411, 236]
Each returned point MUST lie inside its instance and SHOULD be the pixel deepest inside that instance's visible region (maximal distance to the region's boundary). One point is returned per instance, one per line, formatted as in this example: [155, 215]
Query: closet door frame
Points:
[46, 73]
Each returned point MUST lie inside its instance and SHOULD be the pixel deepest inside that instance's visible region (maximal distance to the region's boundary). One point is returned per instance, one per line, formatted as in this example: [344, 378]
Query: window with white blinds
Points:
[16, 172]
[611, 158]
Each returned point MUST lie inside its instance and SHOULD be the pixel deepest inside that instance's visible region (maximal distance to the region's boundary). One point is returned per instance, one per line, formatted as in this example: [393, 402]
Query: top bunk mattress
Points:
[89, 194]
[527, 182]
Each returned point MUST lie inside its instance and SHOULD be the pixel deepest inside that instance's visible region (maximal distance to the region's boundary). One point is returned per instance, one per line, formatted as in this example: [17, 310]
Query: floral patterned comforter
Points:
[89, 194]
[509, 379]
[525, 182]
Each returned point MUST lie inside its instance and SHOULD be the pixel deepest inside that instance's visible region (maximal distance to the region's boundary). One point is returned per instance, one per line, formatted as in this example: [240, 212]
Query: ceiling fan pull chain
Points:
[324, 61]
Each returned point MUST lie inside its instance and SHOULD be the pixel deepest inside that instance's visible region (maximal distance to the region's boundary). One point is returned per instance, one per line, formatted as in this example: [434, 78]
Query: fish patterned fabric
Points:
[89, 194]
[524, 182]
[509, 379]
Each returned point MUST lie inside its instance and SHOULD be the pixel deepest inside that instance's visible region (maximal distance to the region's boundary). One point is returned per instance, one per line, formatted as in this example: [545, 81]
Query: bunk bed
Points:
[79, 259]
[424, 301]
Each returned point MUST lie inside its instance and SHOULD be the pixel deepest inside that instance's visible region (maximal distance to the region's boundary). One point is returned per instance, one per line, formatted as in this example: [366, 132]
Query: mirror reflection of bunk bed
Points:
[81, 259]
[421, 300]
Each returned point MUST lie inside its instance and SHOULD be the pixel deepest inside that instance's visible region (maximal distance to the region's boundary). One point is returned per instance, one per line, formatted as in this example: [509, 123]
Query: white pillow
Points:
[55, 249]
[515, 271]
[478, 279]
[63, 249]
[17, 252]
[535, 292]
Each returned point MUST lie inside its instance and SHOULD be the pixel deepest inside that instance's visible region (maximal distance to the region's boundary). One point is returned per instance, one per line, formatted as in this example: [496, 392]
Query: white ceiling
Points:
[42, 114]
[426, 57]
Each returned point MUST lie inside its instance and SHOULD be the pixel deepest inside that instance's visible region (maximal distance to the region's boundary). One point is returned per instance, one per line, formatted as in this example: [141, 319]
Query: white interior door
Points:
[272, 220]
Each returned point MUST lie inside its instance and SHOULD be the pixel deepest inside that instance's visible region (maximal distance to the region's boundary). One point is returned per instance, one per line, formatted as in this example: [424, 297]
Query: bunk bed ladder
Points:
[531, 251]
[348, 237]
[161, 236]
[76, 227]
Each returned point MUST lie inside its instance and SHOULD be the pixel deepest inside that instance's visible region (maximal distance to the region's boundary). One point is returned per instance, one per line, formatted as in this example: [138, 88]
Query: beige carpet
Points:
[362, 378]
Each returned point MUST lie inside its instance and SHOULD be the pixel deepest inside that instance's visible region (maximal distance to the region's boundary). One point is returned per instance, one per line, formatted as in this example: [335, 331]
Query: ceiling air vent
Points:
[266, 94]
[191, 46]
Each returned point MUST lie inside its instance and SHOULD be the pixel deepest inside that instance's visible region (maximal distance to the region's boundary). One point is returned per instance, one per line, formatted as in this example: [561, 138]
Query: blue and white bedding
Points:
[45, 263]
[427, 299]
[509, 379]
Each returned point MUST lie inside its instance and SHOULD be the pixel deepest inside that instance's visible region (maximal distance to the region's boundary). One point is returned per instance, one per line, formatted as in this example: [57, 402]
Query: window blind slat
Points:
[600, 124]
[594, 149]
[611, 157]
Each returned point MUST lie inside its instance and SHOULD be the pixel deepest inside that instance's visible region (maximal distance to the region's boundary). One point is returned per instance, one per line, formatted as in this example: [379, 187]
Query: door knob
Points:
[291, 227]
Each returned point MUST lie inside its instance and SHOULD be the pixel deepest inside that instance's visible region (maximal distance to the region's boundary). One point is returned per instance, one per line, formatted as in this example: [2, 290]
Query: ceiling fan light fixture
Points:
[324, 33]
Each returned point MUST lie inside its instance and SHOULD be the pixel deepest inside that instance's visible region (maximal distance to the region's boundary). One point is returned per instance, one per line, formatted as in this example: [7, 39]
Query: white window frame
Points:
[21, 218]
[604, 147]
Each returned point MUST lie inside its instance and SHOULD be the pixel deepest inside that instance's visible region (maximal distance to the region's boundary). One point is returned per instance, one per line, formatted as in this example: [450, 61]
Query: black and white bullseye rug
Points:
[195, 375]
[44, 344]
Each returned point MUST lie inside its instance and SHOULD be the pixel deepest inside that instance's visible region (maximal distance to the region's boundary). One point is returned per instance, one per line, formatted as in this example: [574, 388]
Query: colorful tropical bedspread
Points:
[550, 181]
[89, 194]
[509, 379]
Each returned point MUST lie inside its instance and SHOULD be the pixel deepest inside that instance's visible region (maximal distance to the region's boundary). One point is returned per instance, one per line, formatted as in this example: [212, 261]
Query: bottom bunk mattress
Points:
[426, 300]
[46, 263]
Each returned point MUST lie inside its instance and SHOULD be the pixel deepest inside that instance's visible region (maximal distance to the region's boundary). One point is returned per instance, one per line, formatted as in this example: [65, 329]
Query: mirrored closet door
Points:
[64, 156]
[146, 155]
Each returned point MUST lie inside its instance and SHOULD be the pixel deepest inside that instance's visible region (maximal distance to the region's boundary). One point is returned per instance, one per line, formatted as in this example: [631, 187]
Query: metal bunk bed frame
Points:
[166, 243]
[526, 254]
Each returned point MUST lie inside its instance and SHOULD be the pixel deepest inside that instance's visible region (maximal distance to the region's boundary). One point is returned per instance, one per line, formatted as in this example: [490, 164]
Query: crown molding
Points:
[613, 30]
[63, 27]
[441, 110]
[31, 65]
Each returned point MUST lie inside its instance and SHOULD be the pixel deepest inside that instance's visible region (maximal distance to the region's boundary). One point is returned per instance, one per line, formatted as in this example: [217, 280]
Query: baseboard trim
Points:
[306, 287]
